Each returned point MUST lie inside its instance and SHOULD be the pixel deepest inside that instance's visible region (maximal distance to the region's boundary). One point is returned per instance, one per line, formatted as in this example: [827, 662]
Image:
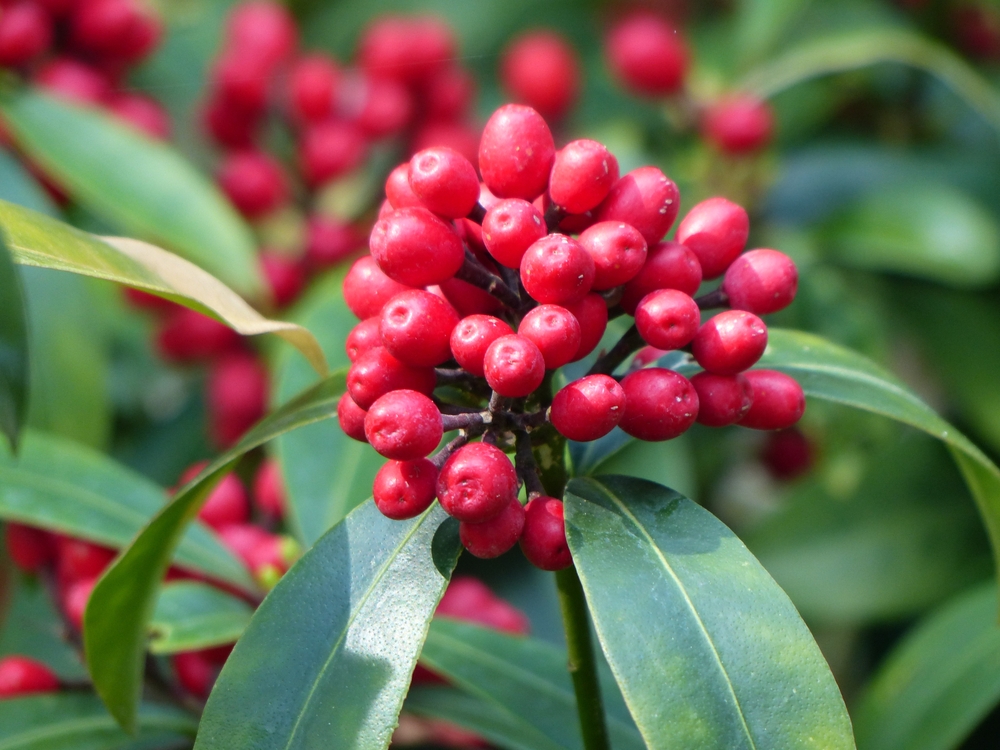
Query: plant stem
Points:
[628, 343]
[582, 664]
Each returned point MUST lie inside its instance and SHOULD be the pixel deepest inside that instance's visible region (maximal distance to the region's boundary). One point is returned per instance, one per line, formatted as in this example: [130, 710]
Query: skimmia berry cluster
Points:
[475, 293]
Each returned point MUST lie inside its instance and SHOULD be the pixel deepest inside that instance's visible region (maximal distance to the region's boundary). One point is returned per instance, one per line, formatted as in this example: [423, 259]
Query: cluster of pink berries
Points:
[475, 292]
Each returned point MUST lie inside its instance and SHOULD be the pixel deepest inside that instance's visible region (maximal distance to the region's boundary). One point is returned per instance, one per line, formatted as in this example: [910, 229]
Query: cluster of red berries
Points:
[475, 292]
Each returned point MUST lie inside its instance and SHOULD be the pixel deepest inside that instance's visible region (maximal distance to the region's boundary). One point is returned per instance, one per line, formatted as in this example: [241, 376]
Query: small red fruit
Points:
[362, 338]
[236, 396]
[761, 282]
[778, 401]
[716, 231]
[269, 489]
[592, 312]
[738, 125]
[787, 454]
[477, 483]
[589, 408]
[284, 276]
[582, 176]
[403, 425]
[722, 399]
[195, 672]
[20, 675]
[444, 181]
[75, 598]
[472, 337]
[543, 540]
[377, 372]
[514, 366]
[351, 418]
[367, 289]
[414, 247]
[667, 319]
[510, 227]
[489, 539]
[74, 81]
[730, 342]
[330, 149]
[226, 504]
[329, 241]
[646, 199]
[78, 559]
[313, 85]
[143, 113]
[254, 182]
[265, 28]
[660, 404]
[405, 489]
[618, 250]
[555, 332]
[540, 68]
[416, 326]
[516, 153]
[30, 549]
[669, 265]
[647, 54]
[188, 336]
[557, 270]
[470, 599]
[25, 33]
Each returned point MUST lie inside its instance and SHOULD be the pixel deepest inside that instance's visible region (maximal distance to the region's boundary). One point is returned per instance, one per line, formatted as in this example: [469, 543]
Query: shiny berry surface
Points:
[20, 675]
[543, 539]
[555, 331]
[516, 153]
[445, 181]
[405, 489]
[761, 281]
[645, 199]
[669, 265]
[778, 401]
[589, 408]
[722, 399]
[618, 250]
[510, 227]
[472, 337]
[730, 342]
[557, 270]
[415, 326]
[403, 425]
[647, 54]
[582, 175]
[489, 539]
[659, 404]
[667, 319]
[716, 231]
[477, 483]
[414, 247]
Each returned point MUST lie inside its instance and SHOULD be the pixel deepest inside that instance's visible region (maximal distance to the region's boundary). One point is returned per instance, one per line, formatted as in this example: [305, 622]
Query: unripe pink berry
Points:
[761, 282]
[722, 399]
[730, 342]
[667, 319]
[367, 289]
[738, 125]
[618, 250]
[376, 373]
[660, 404]
[445, 181]
[646, 199]
[351, 418]
[514, 366]
[516, 153]
[472, 337]
[555, 332]
[489, 539]
[716, 231]
[543, 540]
[589, 408]
[405, 489]
[477, 483]
[778, 401]
[557, 270]
[592, 312]
[582, 175]
[540, 69]
[669, 265]
[647, 54]
[510, 227]
[403, 425]
[414, 247]
[416, 327]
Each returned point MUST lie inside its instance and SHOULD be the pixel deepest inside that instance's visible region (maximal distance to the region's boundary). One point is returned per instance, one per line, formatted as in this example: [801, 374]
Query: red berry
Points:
[25, 33]
[362, 338]
[716, 231]
[555, 332]
[284, 276]
[730, 342]
[722, 399]
[398, 190]
[761, 282]
[106, 27]
[367, 289]
[645, 198]
[592, 312]
[557, 270]
[74, 601]
[78, 560]
[142, 300]
[618, 250]
[589, 408]
[57, 8]
[266, 555]
[313, 86]
[660, 404]
[142, 39]
[787, 454]
[330, 149]
[444, 181]
[510, 227]
[20, 675]
[778, 401]
[416, 328]
[30, 549]
[468, 299]
[143, 113]
[269, 489]
[405, 489]
[229, 126]
[403, 425]
[543, 540]
[227, 503]
[489, 539]
[376, 373]
[188, 336]
[406, 49]
[387, 108]
[351, 418]
[236, 396]
[329, 241]
[472, 337]
[267, 29]
[667, 319]
[470, 599]
[977, 31]
[582, 176]
[449, 94]
[647, 54]
[540, 69]
[195, 672]
[477, 483]
[254, 182]
[458, 136]
[74, 81]
[414, 247]
[669, 265]
[242, 80]
[516, 153]
[514, 366]
[737, 125]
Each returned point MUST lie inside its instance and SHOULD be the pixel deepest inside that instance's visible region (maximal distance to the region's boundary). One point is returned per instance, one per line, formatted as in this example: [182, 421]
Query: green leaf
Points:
[18, 186]
[931, 230]
[78, 721]
[939, 682]
[37, 240]
[190, 616]
[141, 184]
[32, 627]
[13, 349]
[328, 656]
[524, 677]
[760, 24]
[708, 651]
[61, 486]
[122, 604]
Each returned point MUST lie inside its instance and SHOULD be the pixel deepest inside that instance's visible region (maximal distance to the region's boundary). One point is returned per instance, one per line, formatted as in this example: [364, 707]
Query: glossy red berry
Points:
[73, 80]
[351, 418]
[25, 33]
[226, 504]
[472, 337]
[254, 181]
[543, 540]
[405, 489]
[489, 539]
[592, 312]
[313, 85]
[778, 401]
[582, 175]
[414, 247]
[787, 454]
[195, 672]
[403, 425]
[269, 492]
[589, 408]
[444, 181]
[738, 125]
[267, 555]
[398, 190]
[730, 342]
[330, 149]
[30, 549]
[761, 282]
[646, 199]
[514, 366]
[516, 153]
[647, 54]
[416, 328]
[722, 399]
[362, 338]
[458, 136]
[143, 113]
[367, 289]
[266, 29]
[510, 227]
[540, 69]
[557, 270]
[667, 319]
[236, 396]
[78, 559]
[660, 404]
[20, 675]
[468, 299]
[376, 373]
[669, 265]
[329, 241]
[555, 331]
[716, 231]
[477, 483]
[188, 336]
[284, 275]
[618, 250]
[74, 600]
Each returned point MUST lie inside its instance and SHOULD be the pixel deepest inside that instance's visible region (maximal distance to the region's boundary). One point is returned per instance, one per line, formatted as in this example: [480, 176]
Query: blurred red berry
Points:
[285, 277]
[20, 675]
[269, 489]
[143, 113]
[787, 454]
[647, 54]
[25, 34]
[73, 80]
[540, 69]
[313, 85]
[30, 549]
[739, 124]
[236, 397]
[254, 181]
[263, 28]
[189, 336]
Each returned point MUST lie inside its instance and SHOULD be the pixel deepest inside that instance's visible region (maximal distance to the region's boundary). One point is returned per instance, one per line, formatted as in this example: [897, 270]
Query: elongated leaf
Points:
[57, 485]
[78, 721]
[939, 682]
[141, 184]
[762, 23]
[524, 677]
[31, 627]
[13, 349]
[191, 616]
[37, 240]
[18, 186]
[122, 604]
[328, 656]
[708, 650]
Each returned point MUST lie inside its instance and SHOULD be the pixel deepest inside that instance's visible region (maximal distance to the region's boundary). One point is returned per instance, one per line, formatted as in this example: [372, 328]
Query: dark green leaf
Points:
[190, 616]
[78, 721]
[762, 23]
[122, 604]
[13, 348]
[32, 627]
[939, 682]
[327, 658]
[140, 184]
[708, 651]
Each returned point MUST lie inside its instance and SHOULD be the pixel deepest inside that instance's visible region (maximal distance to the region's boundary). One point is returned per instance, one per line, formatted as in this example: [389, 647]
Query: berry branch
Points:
[714, 299]
[474, 273]
[631, 341]
[526, 467]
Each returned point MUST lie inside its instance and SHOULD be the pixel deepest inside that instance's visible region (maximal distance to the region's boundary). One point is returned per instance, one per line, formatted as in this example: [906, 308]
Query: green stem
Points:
[582, 664]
